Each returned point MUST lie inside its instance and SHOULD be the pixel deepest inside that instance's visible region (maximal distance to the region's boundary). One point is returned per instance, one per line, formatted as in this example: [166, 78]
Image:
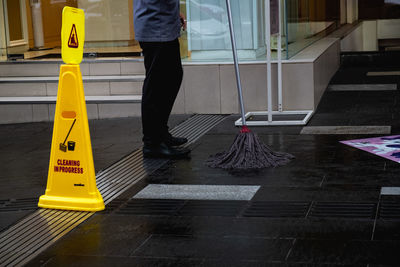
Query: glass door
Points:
[3, 43]
[16, 27]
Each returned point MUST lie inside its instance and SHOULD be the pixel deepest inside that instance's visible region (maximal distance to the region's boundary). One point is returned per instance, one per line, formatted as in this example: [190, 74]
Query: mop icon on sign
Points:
[71, 144]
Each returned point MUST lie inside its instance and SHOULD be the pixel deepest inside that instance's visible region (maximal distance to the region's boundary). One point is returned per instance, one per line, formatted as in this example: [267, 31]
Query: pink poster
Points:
[385, 146]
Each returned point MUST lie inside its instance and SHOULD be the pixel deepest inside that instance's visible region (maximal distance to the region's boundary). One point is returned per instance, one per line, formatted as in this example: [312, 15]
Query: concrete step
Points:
[28, 89]
[93, 85]
[114, 78]
[42, 108]
[89, 99]
[375, 59]
[88, 67]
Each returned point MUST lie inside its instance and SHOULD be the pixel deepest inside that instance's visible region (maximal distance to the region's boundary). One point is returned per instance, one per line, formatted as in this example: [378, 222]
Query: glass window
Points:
[308, 21]
[110, 30]
[208, 29]
[302, 23]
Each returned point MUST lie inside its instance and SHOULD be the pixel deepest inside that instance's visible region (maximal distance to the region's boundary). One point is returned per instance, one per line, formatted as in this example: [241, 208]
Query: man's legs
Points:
[161, 86]
[174, 74]
[163, 79]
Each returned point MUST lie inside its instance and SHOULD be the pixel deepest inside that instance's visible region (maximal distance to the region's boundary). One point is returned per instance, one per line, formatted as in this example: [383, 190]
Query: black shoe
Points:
[175, 141]
[164, 151]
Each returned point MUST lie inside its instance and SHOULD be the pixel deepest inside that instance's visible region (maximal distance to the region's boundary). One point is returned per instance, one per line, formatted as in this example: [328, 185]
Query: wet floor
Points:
[324, 208]
[25, 155]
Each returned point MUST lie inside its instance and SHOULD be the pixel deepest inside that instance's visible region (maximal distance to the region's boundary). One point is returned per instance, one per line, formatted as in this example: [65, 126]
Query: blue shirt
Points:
[156, 20]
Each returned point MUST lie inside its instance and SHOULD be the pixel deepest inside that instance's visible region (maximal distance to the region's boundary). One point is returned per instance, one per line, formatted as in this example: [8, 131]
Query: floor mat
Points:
[385, 146]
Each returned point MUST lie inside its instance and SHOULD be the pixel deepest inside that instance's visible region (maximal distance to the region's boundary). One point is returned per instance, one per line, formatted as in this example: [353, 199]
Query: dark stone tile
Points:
[362, 176]
[215, 226]
[28, 189]
[233, 263]
[98, 242]
[336, 229]
[364, 118]
[252, 263]
[211, 247]
[379, 252]
[387, 230]
[161, 262]
[164, 224]
[335, 193]
[329, 119]
[345, 252]
[78, 260]
[284, 194]
[359, 76]
[348, 193]
[9, 218]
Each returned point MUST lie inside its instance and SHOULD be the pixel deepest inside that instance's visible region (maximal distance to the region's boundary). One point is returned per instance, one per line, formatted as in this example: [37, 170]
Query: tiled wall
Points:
[211, 89]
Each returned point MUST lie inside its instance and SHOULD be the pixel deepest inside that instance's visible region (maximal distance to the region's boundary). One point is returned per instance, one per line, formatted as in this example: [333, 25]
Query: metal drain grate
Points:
[151, 207]
[115, 180]
[196, 127]
[113, 205]
[276, 209]
[212, 208]
[389, 210]
[25, 240]
[179, 207]
[18, 204]
[355, 210]
[35, 233]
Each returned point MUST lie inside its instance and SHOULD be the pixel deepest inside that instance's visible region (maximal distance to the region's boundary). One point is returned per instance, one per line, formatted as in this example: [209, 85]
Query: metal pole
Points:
[279, 58]
[235, 60]
[268, 36]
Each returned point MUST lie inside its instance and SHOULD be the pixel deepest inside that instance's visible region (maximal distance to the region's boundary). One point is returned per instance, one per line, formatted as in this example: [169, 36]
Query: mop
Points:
[247, 151]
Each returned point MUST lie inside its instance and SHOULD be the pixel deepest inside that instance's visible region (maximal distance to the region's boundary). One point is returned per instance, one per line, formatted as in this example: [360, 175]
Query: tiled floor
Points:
[25, 154]
[324, 208]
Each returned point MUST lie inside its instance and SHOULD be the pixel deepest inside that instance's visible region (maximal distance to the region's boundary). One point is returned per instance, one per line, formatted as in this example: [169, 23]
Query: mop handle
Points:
[235, 59]
[69, 132]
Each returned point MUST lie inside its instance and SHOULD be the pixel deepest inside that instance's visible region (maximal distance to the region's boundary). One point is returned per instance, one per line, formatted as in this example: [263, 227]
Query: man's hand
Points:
[183, 21]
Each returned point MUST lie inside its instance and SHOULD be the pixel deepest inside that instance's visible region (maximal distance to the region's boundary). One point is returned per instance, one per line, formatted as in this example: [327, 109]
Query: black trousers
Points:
[164, 74]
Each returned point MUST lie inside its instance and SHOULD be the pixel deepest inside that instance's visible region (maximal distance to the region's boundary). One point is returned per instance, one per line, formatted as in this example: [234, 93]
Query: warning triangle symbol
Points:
[73, 38]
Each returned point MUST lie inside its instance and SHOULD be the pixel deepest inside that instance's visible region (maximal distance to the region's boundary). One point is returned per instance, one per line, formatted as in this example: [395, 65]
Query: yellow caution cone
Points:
[71, 183]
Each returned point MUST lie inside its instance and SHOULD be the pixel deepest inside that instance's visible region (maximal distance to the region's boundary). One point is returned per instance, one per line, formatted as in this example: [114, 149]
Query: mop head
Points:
[248, 152]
